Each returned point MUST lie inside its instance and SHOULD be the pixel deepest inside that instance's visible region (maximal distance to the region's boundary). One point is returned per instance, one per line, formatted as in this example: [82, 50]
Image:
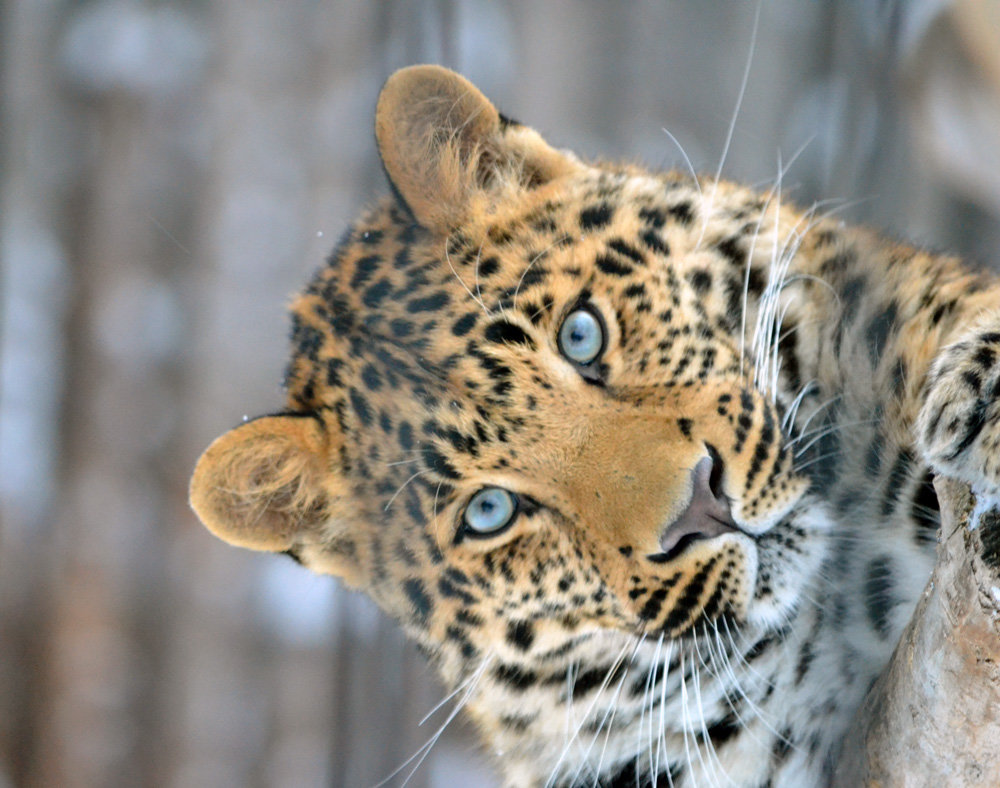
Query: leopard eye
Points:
[489, 511]
[581, 336]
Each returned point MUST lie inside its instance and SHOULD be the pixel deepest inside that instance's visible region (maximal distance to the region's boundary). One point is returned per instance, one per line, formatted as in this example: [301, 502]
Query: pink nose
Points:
[707, 514]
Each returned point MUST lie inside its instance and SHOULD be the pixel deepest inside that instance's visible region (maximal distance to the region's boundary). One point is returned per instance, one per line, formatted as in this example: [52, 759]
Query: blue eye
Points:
[581, 337]
[491, 510]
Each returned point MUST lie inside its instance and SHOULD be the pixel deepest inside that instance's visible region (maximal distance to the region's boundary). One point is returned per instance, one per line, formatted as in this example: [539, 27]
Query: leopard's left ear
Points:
[275, 484]
[447, 150]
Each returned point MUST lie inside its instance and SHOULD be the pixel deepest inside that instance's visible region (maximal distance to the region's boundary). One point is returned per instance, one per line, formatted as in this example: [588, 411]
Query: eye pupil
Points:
[491, 510]
[581, 338]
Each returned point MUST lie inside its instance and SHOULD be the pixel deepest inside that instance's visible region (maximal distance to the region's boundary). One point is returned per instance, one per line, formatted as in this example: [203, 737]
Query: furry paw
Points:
[958, 429]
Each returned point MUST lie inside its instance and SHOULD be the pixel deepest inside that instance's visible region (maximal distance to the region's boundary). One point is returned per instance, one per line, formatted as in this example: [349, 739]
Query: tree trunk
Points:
[933, 716]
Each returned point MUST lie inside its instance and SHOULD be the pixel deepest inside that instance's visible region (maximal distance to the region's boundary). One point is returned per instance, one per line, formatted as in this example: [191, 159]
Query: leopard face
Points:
[522, 403]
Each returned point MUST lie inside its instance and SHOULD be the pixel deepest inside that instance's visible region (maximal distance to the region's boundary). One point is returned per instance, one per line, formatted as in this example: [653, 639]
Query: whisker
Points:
[687, 161]
[422, 752]
[402, 486]
[732, 122]
[478, 300]
[590, 708]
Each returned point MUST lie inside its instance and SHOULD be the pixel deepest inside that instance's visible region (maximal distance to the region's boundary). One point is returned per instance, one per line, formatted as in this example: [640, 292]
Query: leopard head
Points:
[520, 408]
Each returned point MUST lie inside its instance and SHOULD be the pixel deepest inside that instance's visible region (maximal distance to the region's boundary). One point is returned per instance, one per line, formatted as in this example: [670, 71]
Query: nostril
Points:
[716, 473]
[707, 514]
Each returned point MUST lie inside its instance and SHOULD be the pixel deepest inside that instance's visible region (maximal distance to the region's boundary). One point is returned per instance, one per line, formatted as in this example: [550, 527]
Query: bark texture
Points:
[933, 717]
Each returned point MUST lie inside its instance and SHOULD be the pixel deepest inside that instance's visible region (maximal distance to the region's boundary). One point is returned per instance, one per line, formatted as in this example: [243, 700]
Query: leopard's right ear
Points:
[447, 150]
[274, 484]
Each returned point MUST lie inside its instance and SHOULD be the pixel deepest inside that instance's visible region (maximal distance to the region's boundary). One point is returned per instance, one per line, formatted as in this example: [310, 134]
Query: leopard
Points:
[643, 461]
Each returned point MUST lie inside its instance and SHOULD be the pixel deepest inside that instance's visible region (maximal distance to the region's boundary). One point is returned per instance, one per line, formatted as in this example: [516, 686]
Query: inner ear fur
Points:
[267, 484]
[445, 147]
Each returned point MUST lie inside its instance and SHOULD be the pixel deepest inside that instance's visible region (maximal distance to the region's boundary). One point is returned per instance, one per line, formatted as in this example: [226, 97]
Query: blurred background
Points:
[172, 170]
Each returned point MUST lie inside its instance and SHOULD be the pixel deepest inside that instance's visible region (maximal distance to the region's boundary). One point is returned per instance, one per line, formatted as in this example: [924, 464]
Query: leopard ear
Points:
[272, 484]
[446, 148]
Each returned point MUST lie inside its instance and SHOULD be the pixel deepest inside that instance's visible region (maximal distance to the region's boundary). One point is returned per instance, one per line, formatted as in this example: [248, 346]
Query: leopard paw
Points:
[958, 429]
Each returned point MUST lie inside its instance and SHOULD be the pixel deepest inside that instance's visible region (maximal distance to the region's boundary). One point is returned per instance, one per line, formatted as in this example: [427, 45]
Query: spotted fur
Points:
[804, 379]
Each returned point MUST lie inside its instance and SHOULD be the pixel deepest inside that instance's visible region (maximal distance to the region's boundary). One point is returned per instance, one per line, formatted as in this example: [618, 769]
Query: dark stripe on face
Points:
[879, 594]
[515, 677]
[504, 332]
[612, 266]
[423, 605]
[428, 304]
[626, 250]
[436, 462]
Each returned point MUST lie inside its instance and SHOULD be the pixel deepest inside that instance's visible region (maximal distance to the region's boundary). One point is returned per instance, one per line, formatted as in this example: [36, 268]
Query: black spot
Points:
[973, 426]
[984, 357]
[700, 280]
[405, 436]
[361, 407]
[682, 212]
[371, 237]
[878, 331]
[333, 367]
[371, 378]
[458, 635]
[428, 304]
[897, 478]
[464, 324]
[879, 594]
[363, 270]
[653, 605]
[612, 266]
[448, 589]
[685, 426]
[515, 677]
[488, 267]
[401, 328]
[730, 249]
[520, 634]
[377, 293]
[652, 239]
[596, 216]
[423, 605]
[436, 461]
[626, 250]
[873, 457]
[516, 722]
[504, 332]
[591, 679]
[653, 216]
[850, 298]
[805, 660]
[925, 510]
[532, 276]
[723, 730]
[760, 648]
[635, 290]
[307, 340]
